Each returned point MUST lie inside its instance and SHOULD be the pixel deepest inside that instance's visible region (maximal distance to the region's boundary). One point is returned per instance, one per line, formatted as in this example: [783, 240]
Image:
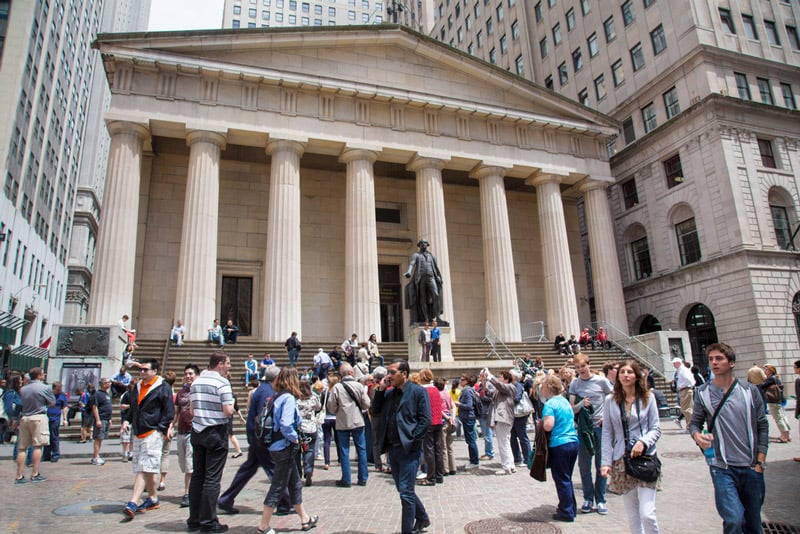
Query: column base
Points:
[415, 349]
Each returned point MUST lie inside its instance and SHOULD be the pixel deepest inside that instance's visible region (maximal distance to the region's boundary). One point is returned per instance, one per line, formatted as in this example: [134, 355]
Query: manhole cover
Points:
[493, 525]
[90, 508]
[779, 528]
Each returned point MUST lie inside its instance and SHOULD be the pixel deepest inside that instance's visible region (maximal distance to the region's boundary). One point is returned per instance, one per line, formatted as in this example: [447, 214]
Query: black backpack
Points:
[265, 423]
[477, 404]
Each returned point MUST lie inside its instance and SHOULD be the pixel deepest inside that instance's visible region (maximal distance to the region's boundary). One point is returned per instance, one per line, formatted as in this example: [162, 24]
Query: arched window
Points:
[650, 324]
[702, 332]
[796, 312]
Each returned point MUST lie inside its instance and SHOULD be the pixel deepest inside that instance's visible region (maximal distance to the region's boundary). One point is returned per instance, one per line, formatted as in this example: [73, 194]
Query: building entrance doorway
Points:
[237, 303]
[391, 303]
[702, 332]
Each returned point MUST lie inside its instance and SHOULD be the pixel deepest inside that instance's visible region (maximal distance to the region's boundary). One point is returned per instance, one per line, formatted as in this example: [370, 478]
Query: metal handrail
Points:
[490, 336]
[642, 352]
[534, 330]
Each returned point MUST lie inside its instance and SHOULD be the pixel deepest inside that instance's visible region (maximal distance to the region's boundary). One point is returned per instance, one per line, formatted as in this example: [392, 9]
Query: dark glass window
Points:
[780, 221]
[674, 171]
[727, 21]
[767, 155]
[628, 133]
[658, 39]
[688, 241]
[765, 90]
[742, 86]
[629, 194]
[641, 259]
[671, 103]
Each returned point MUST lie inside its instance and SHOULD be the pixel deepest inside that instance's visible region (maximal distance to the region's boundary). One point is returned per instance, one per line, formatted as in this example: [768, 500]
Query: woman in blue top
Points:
[285, 451]
[466, 414]
[558, 419]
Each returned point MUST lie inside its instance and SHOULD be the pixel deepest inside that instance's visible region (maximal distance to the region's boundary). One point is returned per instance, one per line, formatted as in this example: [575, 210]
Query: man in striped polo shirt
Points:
[212, 404]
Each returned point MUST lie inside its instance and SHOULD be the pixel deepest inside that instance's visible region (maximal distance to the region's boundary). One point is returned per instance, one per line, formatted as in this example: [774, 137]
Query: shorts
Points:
[125, 436]
[185, 452]
[34, 430]
[146, 453]
[101, 432]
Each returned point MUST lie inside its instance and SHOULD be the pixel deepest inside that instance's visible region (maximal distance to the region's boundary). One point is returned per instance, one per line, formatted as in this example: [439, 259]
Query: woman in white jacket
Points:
[631, 399]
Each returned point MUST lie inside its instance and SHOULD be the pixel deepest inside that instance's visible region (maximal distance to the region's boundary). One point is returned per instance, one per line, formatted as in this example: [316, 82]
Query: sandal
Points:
[311, 523]
[268, 530]
[425, 482]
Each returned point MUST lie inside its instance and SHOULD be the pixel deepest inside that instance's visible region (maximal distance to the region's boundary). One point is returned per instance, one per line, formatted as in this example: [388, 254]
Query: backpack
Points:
[265, 423]
[477, 405]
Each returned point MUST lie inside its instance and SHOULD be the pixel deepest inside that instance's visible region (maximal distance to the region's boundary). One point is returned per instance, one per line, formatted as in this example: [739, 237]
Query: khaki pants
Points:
[687, 401]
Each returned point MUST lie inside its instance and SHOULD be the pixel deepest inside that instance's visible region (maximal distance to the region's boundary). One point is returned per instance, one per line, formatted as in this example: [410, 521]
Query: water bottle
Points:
[709, 453]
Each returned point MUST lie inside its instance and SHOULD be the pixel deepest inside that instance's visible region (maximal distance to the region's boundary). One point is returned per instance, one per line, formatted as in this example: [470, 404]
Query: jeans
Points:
[520, 443]
[213, 338]
[286, 476]
[739, 494]
[471, 437]
[592, 492]
[361, 453]
[436, 350]
[562, 462]
[328, 432]
[294, 355]
[640, 508]
[210, 450]
[308, 455]
[488, 437]
[404, 472]
[52, 452]
[434, 457]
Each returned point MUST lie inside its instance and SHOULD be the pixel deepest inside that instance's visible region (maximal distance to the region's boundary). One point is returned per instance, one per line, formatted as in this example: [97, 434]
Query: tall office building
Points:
[707, 162]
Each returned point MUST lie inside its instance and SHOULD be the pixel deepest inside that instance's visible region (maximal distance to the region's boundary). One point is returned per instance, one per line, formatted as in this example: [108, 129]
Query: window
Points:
[557, 34]
[671, 103]
[351, 15]
[628, 133]
[503, 45]
[627, 13]
[460, 34]
[772, 33]
[332, 12]
[648, 3]
[767, 155]
[471, 49]
[641, 259]
[688, 242]
[794, 40]
[780, 221]
[293, 19]
[765, 90]
[658, 39]
[537, 11]
[674, 171]
[563, 77]
[265, 15]
[551, 3]
[727, 21]
[594, 47]
[749, 27]
[477, 9]
[251, 12]
[637, 57]
[479, 39]
[318, 9]
[570, 19]
[548, 82]
[629, 195]
[742, 86]
[608, 27]
[492, 57]
[512, 3]
[577, 59]
[600, 87]
[519, 65]
[235, 24]
[237, 10]
[543, 47]
[583, 96]
[468, 22]
[500, 14]
[586, 7]
[617, 73]
[489, 26]
[649, 117]
[788, 96]
[515, 30]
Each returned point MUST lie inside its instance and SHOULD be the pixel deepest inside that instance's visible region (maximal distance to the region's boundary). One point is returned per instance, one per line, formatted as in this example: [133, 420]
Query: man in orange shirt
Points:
[150, 418]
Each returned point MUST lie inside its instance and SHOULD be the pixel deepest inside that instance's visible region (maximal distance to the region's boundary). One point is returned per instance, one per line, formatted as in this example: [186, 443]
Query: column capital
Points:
[116, 127]
[591, 185]
[544, 178]
[355, 154]
[198, 136]
[424, 162]
[276, 145]
[482, 171]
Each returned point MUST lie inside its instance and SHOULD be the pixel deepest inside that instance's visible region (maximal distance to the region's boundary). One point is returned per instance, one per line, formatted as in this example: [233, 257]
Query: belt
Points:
[684, 389]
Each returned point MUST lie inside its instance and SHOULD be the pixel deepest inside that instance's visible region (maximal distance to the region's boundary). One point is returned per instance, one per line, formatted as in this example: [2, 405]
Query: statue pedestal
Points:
[83, 354]
[415, 349]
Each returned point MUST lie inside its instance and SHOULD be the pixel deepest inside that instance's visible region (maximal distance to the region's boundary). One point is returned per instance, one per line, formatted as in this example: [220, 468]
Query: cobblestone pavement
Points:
[79, 496]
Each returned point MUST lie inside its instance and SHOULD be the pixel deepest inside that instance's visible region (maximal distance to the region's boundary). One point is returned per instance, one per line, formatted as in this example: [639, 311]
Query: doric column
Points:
[112, 282]
[502, 307]
[432, 226]
[607, 282]
[196, 295]
[559, 284]
[282, 280]
[362, 312]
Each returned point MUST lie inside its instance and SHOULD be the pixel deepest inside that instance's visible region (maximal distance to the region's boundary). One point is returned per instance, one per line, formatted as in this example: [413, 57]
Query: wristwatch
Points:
[762, 464]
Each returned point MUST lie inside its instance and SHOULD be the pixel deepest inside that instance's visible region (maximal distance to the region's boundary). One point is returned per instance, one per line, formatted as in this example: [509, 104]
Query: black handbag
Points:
[645, 467]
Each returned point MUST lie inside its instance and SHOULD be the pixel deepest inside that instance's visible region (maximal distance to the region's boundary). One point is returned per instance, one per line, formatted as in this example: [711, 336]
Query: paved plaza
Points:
[79, 497]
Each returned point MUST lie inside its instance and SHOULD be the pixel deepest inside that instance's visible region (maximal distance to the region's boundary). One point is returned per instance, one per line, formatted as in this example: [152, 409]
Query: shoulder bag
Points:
[523, 407]
[644, 467]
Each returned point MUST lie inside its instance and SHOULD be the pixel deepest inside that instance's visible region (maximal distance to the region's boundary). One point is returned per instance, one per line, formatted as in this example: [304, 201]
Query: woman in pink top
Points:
[448, 427]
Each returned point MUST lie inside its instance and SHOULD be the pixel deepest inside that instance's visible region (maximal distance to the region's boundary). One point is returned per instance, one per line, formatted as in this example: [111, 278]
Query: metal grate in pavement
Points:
[779, 528]
[497, 525]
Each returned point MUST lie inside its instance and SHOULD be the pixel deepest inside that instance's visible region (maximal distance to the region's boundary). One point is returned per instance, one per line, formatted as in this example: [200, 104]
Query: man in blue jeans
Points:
[348, 399]
[466, 414]
[736, 445]
[405, 410]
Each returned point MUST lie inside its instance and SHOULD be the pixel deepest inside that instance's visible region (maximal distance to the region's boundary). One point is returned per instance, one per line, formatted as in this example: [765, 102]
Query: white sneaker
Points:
[471, 466]
[421, 476]
[97, 461]
[503, 472]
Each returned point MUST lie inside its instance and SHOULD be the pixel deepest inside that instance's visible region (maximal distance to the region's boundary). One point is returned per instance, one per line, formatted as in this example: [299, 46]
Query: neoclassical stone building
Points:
[282, 178]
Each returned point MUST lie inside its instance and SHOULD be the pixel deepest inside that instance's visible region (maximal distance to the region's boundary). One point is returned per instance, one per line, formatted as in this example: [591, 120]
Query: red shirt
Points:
[436, 404]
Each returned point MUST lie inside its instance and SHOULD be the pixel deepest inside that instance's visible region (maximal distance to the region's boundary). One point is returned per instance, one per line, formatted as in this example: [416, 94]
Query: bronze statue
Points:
[423, 294]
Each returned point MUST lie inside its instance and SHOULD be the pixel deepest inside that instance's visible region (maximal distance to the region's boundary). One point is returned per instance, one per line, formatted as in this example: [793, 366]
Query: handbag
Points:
[523, 407]
[773, 394]
[645, 467]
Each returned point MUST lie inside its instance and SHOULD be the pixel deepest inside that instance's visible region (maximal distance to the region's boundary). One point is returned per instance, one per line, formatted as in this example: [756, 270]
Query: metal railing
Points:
[636, 348]
[533, 331]
[490, 336]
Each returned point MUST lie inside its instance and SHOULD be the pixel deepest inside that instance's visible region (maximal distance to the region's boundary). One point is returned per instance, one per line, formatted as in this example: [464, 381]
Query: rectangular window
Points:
[627, 13]
[671, 103]
[515, 30]
[365, 20]
[235, 24]
[577, 59]
[503, 45]
[317, 9]
[570, 19]
[543, 47]
[648, 3]
[688, 241]
[641, 259]
[600, 87]
[617, 72]
[794, 40]
[237, 10]
[477, 9]
[519, 65]
[492, 57]
[551, 3]
[788, 96]
[548, 82]
[629, 195]
[563, 77]
[742, 86]
[586, 7]
[727, 21]
[780, 221]
[628, 133]
[537, 11]
[557, 34]
[251, 13]
[292, 19]
[649, 117]
[673, 171]
[331, 11]
[583, 96]
[749, 27]
[767, 155]
[594, 46]
[265, 15]
[772, 33]
[608, 27]
[468, 22]
[489, 26]
[500, 14]
[351, 15]
[637, 57]
[479, 39]
[658, 39]
[765, 90]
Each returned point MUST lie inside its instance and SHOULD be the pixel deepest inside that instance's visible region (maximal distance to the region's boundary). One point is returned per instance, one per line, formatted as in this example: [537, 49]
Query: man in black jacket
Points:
[406, 413]
[150, 418]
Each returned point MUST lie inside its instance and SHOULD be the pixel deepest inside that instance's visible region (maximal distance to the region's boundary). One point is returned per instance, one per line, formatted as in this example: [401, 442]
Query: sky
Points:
[185, 14]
